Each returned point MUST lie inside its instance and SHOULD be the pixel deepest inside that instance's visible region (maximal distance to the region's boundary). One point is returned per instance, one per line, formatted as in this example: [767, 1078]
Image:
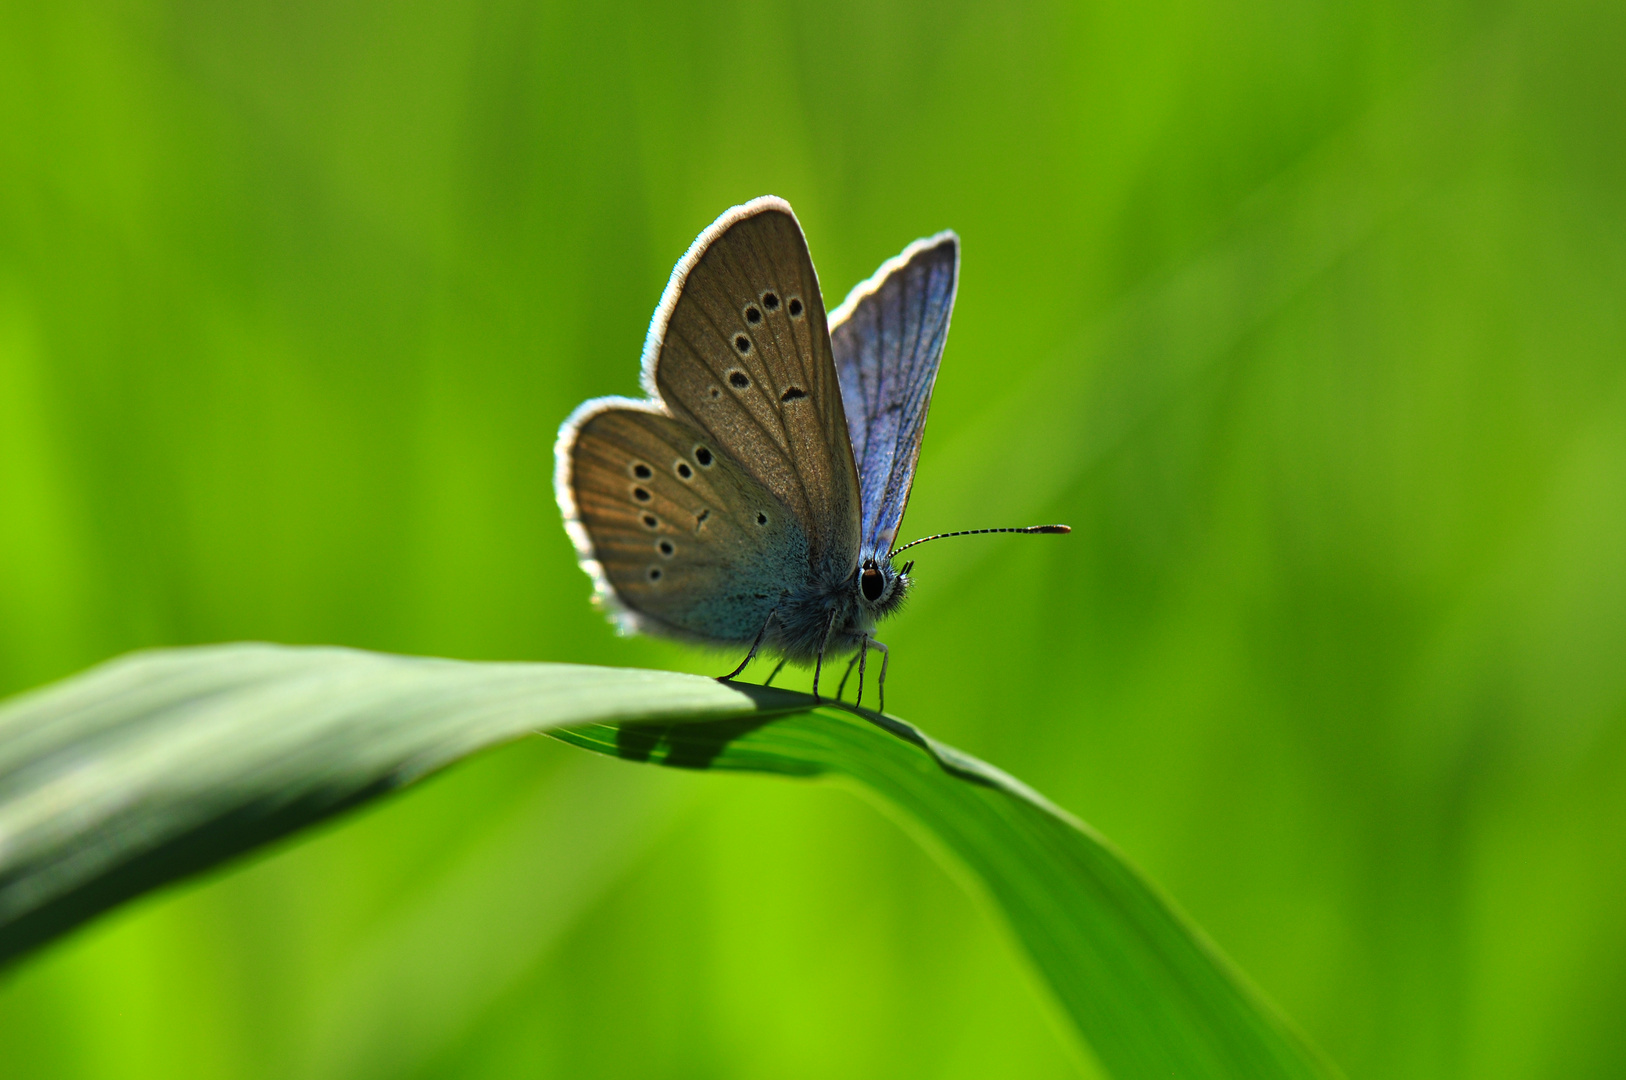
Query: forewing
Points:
[739, 348]
[887, 338]
[679, 539]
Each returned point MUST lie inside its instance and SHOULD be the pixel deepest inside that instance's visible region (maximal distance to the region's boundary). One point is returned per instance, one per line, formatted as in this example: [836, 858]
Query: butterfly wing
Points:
[740, 350]
[887, 337]
[678, 538]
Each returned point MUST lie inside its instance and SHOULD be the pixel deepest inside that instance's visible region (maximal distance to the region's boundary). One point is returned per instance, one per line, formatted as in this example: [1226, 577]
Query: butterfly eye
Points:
[770, 301]
[702, 455]
[794, 307]
[872, 582]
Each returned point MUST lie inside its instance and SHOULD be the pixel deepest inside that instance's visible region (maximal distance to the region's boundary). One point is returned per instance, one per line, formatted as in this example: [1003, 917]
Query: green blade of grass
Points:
[1148, 993]
[161, 764]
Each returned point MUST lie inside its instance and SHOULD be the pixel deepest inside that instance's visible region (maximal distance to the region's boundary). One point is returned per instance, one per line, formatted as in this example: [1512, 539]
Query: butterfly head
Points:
[881, 586]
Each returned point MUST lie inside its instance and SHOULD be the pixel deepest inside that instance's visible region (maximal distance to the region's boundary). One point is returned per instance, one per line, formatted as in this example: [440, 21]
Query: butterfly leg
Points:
[755, 645]
[818, 665]
[769, 680]
[863, 660]
[880, 683]
[842, 688]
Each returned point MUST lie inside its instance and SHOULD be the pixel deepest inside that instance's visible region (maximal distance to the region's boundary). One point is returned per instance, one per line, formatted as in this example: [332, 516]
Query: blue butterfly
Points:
[755, 496]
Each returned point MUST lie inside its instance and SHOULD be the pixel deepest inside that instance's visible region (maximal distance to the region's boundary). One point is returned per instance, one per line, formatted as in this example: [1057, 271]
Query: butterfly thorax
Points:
[838, 610]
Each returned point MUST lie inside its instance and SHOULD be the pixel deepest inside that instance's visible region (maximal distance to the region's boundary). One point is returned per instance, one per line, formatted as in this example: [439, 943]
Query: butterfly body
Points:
[832, 614]
[754, 497]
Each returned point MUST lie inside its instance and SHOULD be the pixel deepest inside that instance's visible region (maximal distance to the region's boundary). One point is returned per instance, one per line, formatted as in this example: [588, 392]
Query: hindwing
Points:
[679, 538]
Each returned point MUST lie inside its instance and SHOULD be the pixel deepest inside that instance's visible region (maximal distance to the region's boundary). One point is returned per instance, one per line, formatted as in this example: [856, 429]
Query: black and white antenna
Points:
[1031, 529]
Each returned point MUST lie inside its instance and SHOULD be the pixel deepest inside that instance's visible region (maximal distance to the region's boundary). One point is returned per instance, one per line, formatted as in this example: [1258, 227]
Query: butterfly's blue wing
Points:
[888, 340]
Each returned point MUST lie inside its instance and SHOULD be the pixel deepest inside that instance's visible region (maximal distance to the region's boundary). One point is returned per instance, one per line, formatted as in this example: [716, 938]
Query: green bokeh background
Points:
[1308, 318]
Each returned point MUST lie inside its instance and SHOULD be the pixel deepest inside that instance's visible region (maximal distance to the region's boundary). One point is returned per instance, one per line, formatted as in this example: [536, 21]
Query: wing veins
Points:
[752, 247]
[900, 439]
[778, 445]
[920, 387]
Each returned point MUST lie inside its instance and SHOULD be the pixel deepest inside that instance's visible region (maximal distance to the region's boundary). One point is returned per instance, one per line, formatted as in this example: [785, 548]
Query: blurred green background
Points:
[1307, 317]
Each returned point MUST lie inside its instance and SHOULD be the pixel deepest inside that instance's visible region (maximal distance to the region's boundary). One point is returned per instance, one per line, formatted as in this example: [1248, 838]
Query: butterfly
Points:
[754, 497]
